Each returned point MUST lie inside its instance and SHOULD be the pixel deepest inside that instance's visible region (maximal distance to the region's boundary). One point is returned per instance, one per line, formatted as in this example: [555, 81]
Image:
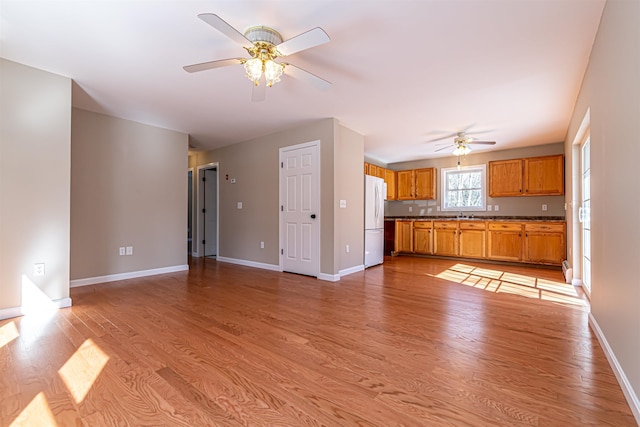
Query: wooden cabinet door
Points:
[404, 236]
[544, 176]
[366, 168]
[425, 184]
[505, 241]
[445, 238]
[390, 180]
[406, 181]
[422, 237]
[505, 178]
[544, 243]
[380, 172]
[472, 240]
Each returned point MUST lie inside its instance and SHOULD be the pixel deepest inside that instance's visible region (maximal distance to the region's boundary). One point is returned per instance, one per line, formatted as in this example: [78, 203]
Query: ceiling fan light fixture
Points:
[253, 67]
[461, 150]
[272, 72]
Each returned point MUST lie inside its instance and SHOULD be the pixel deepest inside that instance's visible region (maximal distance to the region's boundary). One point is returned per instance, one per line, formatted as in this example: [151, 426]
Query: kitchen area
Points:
[502, 206]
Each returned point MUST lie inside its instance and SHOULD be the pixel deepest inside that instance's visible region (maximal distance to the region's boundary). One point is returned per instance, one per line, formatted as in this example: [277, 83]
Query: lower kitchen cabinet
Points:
[423, 237]
[544, 243]
[445, 238]
[404, 236]
[472, 239]
[530, 242]
[505, 241]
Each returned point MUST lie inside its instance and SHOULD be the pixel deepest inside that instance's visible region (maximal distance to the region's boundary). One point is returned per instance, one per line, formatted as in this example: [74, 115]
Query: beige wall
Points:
[611, 90]
[349, 186]
[254, 165]
[35, 141]
[509, 206]
[128, 188]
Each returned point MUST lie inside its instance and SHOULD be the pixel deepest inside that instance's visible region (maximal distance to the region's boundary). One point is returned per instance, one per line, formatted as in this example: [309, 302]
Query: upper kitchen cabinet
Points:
[389, 177]
[533, 176]
[417, 184]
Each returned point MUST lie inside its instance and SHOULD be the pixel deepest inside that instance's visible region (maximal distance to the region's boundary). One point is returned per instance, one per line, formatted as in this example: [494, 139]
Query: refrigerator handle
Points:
[377, 207]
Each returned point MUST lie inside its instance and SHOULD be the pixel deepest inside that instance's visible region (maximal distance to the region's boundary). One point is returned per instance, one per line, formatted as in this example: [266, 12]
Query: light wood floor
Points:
[415, 342]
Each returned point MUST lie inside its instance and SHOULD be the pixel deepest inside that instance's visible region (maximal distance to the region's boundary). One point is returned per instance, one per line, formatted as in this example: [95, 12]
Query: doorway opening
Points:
[208, 213]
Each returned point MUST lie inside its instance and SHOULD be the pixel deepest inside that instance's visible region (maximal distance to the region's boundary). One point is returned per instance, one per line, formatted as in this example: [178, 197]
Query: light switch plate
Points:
[129, 250]
[239, 205]
[343, 204]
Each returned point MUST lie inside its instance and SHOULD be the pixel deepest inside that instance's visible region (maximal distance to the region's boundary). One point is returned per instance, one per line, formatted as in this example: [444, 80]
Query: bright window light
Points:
[37, 413]
[8, 333]
[82, 369]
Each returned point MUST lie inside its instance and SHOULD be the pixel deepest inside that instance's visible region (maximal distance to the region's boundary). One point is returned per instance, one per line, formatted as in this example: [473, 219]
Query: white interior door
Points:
[300, 208]
[585, 214]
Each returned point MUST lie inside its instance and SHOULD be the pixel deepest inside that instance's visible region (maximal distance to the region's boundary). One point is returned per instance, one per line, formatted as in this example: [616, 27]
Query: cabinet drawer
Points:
[505, 226]
[545, 227]
[473, 226]
[445, 225]
[422, 224]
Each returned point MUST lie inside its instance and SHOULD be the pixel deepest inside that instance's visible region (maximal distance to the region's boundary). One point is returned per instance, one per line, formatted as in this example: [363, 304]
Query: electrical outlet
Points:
[261, 245]
[347, 249]
[233, 180]
[343, 204]
[239, 205]
[544, 208]
[121, 251]
[410, 208]
[496, 208]
[38, 269]
[489, 208]
[129, 250]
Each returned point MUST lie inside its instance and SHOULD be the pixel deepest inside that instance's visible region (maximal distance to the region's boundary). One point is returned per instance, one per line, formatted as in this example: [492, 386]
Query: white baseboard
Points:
[247, 263]
[9, 313]
[329, 277]
[627, 389]
[351, 270]
[123, 276]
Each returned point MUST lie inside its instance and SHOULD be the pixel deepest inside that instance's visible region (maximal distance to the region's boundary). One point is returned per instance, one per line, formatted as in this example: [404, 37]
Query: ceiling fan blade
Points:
[306, 76]
[211, 64]
[221, 25]
[482, 142]
[443, 148]
[307, 40]
[259, 93]
[443, 137]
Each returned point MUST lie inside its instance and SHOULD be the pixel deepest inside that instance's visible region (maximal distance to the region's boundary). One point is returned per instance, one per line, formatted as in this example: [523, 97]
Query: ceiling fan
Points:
[461, 143]
[264, 46]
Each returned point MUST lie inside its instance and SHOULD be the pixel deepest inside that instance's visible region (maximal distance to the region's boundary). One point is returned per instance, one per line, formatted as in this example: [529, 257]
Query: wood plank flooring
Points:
[415, 342]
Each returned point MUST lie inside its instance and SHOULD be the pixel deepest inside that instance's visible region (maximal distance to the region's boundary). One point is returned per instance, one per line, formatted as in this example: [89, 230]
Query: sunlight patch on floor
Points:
[8, 333]
[81, 370]
[497, 281]
[37, 413]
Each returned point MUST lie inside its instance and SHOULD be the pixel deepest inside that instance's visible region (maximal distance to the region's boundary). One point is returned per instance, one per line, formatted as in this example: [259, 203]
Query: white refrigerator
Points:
[374, 195]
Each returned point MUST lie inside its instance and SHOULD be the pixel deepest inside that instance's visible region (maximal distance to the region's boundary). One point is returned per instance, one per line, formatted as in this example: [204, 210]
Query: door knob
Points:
[313, 216]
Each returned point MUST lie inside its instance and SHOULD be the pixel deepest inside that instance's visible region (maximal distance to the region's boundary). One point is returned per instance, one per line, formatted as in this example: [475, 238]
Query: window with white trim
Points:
[464, 189]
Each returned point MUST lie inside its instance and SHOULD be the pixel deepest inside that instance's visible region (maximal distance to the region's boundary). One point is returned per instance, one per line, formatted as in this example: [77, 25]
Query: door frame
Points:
[192, 205]
[575, 250]
[281, 228]
[199, 247]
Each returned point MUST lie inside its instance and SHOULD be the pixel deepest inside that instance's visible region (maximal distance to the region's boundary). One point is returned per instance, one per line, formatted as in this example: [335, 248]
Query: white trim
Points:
[248, 263]
[9, 313]
[123, 276]
[329, 277]
[627, 389]
[351, 270]
[576, 282]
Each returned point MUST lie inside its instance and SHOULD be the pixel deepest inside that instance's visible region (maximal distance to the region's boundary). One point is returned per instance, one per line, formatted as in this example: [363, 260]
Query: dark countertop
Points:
[479, 218]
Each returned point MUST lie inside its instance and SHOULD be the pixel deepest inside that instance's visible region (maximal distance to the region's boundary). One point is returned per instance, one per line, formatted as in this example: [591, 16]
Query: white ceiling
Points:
[403, 72]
